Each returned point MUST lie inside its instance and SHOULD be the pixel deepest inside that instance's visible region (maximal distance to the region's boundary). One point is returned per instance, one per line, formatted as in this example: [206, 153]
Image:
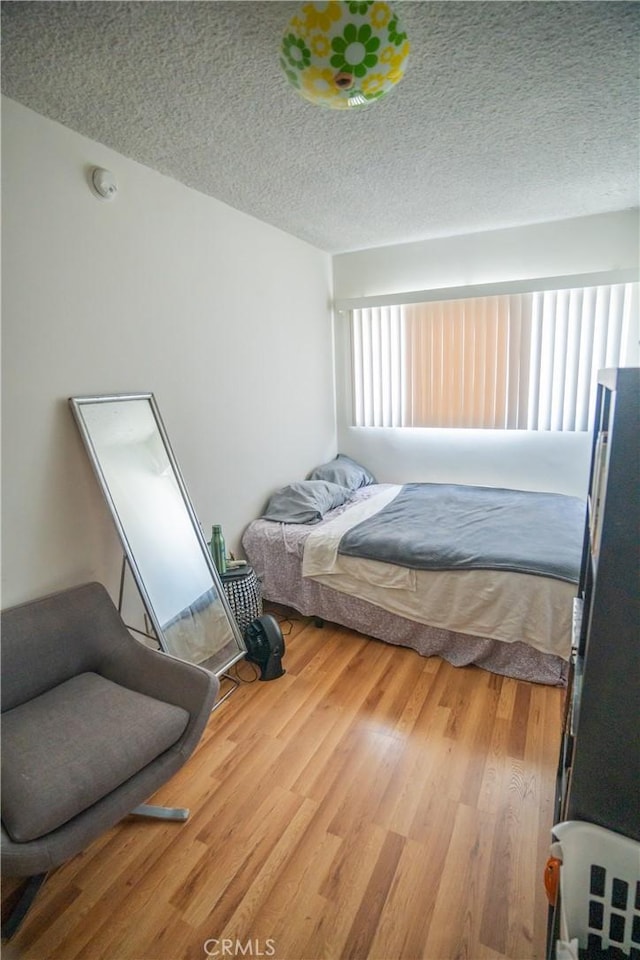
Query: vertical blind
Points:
[516, 361]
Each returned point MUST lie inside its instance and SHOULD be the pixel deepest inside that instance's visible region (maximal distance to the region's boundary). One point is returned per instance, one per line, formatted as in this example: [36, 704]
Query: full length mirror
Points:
[160, 534]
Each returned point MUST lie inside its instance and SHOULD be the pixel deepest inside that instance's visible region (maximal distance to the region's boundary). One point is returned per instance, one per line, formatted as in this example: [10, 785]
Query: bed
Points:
[471, 574]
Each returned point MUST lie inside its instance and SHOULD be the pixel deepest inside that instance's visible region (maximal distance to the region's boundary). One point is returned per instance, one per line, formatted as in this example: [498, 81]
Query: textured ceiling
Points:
[509, 113]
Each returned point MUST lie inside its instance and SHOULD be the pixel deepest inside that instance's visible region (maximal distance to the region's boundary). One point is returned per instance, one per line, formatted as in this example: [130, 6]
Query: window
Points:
[512, 361]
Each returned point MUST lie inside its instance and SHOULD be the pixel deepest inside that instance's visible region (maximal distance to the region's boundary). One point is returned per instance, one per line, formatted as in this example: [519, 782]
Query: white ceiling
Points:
[510, 112]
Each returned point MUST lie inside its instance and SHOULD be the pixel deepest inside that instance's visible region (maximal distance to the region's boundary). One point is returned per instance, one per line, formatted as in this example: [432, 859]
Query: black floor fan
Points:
[265, 646]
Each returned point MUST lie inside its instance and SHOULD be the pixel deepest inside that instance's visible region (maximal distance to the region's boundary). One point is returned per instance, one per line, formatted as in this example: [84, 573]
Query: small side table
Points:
[242, 589]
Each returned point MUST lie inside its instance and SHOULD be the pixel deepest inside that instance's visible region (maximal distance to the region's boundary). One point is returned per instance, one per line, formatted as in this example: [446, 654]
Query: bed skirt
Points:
[286, 586]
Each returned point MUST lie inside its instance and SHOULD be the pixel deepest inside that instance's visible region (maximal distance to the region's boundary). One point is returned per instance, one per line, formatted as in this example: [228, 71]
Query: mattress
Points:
[516, 624]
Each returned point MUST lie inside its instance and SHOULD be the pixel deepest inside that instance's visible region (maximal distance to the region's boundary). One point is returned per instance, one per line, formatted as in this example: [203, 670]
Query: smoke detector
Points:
[103, 183]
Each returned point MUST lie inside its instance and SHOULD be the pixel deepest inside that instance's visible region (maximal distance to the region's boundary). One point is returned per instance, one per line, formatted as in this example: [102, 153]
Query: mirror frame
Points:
[77, 404]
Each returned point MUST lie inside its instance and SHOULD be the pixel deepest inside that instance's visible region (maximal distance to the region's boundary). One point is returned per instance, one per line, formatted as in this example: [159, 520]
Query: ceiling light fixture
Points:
[344, 55]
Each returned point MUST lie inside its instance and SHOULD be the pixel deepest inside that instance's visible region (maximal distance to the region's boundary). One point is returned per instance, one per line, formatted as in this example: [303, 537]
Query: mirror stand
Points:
[153, 636]
[235, 684]
[149, 627]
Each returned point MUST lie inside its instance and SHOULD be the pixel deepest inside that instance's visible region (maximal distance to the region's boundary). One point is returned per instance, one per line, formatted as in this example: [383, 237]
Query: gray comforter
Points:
[441, 526]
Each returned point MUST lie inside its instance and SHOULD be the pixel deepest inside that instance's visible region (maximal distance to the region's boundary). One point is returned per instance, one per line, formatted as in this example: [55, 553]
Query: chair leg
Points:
[28, 894]
[161, 813]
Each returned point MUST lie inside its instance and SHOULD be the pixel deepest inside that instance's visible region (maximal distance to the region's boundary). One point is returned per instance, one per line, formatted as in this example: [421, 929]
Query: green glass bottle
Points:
[218, 549]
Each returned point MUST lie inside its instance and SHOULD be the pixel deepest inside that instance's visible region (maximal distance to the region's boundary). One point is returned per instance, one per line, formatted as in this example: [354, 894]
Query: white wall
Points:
[226, 319]
[524, 460]
[609, 241]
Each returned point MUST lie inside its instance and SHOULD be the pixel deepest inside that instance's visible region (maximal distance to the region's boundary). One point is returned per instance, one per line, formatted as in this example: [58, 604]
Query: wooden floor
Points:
[369, 803]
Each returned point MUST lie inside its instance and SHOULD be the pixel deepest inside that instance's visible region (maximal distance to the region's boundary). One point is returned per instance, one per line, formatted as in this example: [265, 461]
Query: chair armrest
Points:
[160, 675]
[49, 640]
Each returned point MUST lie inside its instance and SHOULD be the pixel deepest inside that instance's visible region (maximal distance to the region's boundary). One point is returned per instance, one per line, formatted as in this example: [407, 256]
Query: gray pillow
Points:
[345, 471]
[305, 501]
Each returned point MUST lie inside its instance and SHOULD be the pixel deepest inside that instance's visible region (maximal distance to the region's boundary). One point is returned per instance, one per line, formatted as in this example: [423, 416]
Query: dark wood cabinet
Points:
[599, 764]
[599, 769]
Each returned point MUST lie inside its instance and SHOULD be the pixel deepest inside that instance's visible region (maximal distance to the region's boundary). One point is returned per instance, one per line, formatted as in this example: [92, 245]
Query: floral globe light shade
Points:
[344, 55]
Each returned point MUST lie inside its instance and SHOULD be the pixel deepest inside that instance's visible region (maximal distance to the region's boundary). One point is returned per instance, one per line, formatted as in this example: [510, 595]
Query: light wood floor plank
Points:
[457, 918]
[365, 922]
[254, 888]
[405, 918]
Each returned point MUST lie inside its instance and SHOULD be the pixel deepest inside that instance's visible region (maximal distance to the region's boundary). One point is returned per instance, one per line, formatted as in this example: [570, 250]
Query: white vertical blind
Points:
[515, 361]
[577, 332]
[378, 380]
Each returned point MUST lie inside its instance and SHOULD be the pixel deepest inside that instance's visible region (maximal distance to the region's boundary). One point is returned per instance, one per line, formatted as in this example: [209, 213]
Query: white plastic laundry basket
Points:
[599, 889]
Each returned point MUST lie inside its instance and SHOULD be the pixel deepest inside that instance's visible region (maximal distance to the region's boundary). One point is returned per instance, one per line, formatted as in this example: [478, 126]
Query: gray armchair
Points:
[93, 722]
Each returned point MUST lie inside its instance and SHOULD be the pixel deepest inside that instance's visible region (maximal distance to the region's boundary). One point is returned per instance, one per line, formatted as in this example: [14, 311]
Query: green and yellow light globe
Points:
[344, 55]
